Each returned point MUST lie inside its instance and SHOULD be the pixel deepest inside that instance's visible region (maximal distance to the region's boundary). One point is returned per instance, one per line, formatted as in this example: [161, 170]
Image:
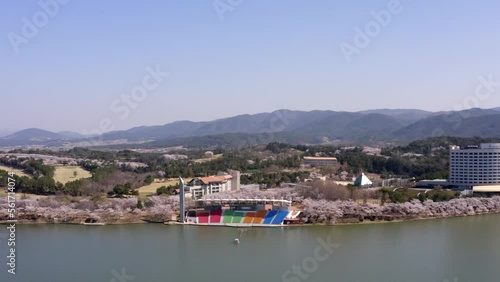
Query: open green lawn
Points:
[151, 188]
[65, 174]
[17, 171]
[3, 194]
[214, 157]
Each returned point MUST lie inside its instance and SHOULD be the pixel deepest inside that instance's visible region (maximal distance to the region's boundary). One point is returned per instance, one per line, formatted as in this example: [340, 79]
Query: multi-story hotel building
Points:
[475, 165]
[200, 186]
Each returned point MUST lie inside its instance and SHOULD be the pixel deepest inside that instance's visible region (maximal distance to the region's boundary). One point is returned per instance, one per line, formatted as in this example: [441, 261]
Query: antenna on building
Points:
[181, 198]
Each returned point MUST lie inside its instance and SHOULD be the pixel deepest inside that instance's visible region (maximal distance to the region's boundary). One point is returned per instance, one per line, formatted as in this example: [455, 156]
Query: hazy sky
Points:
[72, 66]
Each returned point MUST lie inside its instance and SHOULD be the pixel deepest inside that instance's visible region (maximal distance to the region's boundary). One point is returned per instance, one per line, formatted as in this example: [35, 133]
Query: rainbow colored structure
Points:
[242, 213]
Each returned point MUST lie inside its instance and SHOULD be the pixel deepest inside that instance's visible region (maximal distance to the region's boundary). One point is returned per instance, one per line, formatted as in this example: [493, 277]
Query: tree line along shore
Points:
[106, 186]
[159, 209]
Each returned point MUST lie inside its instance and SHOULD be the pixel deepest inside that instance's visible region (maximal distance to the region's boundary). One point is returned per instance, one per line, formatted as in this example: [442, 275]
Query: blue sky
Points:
[257, 56]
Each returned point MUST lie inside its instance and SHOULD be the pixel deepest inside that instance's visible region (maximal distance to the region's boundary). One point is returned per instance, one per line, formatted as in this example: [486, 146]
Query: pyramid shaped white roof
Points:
[362, 180]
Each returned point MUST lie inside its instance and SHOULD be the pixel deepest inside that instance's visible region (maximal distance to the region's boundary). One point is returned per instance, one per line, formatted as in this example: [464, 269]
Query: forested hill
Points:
[314, 127]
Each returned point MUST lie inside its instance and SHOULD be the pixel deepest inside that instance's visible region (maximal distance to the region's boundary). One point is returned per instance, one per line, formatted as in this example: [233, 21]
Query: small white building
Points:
[362, 180]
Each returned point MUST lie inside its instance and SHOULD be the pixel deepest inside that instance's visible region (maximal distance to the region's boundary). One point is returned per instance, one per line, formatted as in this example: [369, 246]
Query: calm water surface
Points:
[459, 249]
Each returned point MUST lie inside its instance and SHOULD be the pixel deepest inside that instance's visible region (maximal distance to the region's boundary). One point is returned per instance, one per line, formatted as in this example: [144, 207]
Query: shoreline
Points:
[368, 222]
[158, 209]
[341, 221]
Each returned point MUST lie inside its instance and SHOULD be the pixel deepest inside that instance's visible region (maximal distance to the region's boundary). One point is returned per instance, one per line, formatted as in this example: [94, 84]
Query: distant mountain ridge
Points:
[404, 116]
[36, 136]
[6, 132]
[328, 123]
[472, 122]
[382, 125]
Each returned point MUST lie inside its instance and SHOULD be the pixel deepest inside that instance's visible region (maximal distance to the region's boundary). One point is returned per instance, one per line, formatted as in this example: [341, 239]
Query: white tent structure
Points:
[362, 180]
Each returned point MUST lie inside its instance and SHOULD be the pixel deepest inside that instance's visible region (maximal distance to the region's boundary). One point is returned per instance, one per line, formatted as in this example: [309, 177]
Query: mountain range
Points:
[365, 127]
[36, 136]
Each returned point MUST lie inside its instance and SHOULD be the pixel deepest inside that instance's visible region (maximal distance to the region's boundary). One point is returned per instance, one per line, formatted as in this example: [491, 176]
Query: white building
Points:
[200, 186]
[475, 165]
[362, 180]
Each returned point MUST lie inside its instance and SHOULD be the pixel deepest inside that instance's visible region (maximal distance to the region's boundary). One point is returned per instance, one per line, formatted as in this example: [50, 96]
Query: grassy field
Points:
[208, 159]
[65, 174]
[3, 194]
[18, 172]
[151, 188]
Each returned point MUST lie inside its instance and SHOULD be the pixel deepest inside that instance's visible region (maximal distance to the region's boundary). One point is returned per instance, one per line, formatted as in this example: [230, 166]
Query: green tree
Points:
[149, 179]
[351, 189]
[123, 189]
[164, 190]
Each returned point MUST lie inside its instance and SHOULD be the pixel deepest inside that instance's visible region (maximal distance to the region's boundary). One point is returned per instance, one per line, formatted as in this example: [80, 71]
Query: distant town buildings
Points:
[343, 175]
[200, 186]
[315, 176]
[431, 184]
[320, 161]
[475, 167]
[173, 157]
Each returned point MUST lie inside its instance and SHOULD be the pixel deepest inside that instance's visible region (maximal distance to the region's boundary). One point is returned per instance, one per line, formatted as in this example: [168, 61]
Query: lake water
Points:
[458, 249]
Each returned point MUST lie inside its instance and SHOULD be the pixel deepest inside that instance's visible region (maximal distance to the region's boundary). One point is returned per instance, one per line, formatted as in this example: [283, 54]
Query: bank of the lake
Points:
[453, 249]
[160, 209]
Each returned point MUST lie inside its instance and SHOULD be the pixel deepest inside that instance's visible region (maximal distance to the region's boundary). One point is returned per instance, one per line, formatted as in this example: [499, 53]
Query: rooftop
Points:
[482, 146]
[486, 188]
[213, 179]
[321, 158]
